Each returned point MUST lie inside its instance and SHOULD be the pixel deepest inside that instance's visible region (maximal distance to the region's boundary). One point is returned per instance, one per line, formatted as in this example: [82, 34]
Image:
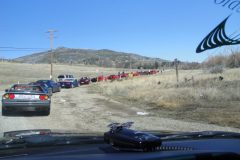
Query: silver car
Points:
[25, 97]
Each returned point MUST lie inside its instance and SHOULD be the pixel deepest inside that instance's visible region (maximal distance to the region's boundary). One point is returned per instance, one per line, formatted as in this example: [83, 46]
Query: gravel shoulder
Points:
[83, 111]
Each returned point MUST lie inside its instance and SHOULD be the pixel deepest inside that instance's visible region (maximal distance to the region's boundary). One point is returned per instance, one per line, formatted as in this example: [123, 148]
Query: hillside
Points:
[104, 57]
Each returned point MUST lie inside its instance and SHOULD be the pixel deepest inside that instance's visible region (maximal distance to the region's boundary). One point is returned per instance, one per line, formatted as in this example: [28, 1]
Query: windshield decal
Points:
[217, 38]
[230, 4]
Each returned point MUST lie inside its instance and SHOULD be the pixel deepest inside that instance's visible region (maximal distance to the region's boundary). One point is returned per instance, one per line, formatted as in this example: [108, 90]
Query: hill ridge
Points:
[101, 57]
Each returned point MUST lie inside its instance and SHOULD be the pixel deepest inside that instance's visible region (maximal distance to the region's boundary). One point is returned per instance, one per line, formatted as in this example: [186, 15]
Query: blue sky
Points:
[155, 28]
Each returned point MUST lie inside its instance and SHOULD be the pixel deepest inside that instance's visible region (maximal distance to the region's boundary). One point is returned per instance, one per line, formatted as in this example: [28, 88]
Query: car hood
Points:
[164, 134]
[19, 133]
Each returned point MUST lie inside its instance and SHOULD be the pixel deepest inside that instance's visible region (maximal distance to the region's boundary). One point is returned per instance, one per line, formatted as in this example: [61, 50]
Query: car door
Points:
[54, 86]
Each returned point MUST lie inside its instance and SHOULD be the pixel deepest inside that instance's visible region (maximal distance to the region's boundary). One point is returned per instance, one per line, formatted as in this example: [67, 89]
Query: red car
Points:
[101, 78]
[113, 77]
[153, 72]
[136, 74]
[124, 75]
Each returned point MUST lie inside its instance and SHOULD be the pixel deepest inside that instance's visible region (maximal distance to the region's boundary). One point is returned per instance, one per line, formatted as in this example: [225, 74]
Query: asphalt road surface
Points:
[78, 110]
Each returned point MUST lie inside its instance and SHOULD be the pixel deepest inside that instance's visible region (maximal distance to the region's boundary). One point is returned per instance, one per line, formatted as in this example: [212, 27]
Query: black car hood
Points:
[164, 134]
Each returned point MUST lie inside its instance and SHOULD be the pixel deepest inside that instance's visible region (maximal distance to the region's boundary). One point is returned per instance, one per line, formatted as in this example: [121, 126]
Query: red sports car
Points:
[136, 74]
[124, 75]
[113, 77]
[101, 78]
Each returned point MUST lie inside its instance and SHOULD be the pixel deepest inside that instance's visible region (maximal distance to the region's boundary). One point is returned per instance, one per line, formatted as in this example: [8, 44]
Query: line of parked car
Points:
[122, 75]
[36, 96]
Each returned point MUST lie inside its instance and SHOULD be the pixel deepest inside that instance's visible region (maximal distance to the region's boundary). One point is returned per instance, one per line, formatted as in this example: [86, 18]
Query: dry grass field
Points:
[199, 96]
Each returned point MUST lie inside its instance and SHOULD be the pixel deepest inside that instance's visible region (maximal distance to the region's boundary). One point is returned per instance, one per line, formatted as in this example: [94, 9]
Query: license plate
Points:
[29, 97]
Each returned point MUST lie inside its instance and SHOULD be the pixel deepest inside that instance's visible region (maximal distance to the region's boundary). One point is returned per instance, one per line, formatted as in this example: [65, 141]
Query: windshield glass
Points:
[166, 65]
[61, 76]
[25, 88]
[43, 81]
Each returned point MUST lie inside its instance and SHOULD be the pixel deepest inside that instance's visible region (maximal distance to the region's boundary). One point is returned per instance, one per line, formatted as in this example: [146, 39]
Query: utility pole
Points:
[176, 65]
[130, 65]
[51, 31]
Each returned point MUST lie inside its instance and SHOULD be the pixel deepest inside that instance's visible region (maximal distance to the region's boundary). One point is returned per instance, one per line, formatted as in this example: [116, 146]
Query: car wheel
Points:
[4, 112]
[46, 112]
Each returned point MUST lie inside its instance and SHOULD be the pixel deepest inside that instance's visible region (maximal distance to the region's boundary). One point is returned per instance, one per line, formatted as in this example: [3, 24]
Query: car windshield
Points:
[61, 76]
[25, 88]
[43, 81]
[166, 65]
[69, 80]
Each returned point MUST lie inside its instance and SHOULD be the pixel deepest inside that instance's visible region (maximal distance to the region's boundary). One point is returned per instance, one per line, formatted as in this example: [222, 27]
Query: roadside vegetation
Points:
[228, 61]
[198, 96]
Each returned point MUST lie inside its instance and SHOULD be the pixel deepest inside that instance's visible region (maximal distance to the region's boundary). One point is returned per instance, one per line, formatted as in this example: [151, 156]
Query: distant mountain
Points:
[104, 57]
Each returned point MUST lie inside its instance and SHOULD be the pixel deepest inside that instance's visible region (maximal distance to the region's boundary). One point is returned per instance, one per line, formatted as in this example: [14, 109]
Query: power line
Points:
[19, 48]
[3, 50]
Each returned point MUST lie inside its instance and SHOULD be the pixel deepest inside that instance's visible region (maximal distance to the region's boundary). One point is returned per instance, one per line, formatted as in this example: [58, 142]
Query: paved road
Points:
[78, 110]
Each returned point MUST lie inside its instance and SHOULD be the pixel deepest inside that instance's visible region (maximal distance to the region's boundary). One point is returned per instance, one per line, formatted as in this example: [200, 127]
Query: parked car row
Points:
[122, 75]
[68, 81]
[36, 96]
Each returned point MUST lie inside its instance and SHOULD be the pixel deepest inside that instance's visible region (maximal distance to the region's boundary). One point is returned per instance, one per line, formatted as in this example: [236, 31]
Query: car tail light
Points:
[9, 96]
[43, 97]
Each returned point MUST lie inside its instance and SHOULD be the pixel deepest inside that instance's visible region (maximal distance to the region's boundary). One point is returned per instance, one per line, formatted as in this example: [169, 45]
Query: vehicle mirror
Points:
[6, 90]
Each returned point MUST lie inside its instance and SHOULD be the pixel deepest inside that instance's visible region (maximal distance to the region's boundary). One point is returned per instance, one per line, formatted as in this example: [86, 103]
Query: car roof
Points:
[65, 75]
[44, 80]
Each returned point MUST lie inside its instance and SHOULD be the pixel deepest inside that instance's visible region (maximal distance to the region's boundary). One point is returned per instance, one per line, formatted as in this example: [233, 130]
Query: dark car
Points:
[144, 73]
[69, 83]
[51, 84]
[25, 97]
[84, 80]
[94, 79]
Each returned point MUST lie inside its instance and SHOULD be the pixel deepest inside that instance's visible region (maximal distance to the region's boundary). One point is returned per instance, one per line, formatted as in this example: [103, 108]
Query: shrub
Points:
[233, 61]
[216, 69]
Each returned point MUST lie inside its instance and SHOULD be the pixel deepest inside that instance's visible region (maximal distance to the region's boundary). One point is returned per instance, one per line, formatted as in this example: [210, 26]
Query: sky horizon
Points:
[152, 28]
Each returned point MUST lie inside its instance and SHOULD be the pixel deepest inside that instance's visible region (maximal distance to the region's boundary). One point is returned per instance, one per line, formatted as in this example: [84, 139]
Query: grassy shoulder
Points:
[198, 96]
